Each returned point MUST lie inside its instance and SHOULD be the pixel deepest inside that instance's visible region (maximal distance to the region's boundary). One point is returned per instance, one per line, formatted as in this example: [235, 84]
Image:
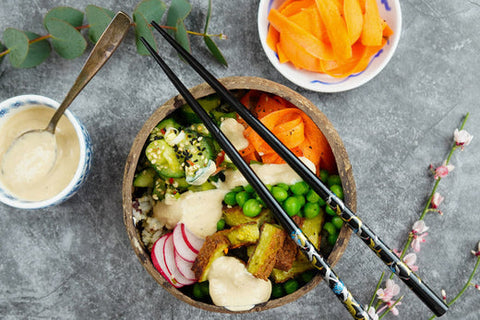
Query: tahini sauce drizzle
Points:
[232, 286]
[40, 165]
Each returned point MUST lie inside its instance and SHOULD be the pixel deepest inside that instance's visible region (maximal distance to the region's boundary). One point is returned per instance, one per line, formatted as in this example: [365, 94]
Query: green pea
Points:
[324, 175]
[259, 199]
[307, 276]
[302, 200]
[229, 198]
[292, 206]
[283, 186]
[220, 224]
[332, 238]
[337, 222]
[337, 189]
[237, 189]
[334, 179]
[252, 208]
[279, 193]
[321, 202]
[241, 198]
[290, 286]
[249, 188]
[197, 291]
[311, 210]
[277, 290]
[312, 196]
[299, 188]
[330, 211]
[204, 286]
[330, 228]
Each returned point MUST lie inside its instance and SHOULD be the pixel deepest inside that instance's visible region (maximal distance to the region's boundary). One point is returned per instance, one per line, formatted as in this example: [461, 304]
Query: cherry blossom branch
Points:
[417, 236]
[455, 146]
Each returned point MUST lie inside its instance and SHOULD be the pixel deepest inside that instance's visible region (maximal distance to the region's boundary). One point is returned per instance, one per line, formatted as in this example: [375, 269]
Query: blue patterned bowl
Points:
[11, 106]
[389, 10]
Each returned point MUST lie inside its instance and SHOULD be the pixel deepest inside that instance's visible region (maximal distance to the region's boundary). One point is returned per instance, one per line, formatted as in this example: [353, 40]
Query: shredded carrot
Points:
[335, 37]
[294, 129]
[372, 32]
[305, 39]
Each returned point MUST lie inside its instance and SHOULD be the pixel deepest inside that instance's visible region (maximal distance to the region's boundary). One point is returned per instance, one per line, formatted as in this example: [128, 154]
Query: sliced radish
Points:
[159, 261]
[169, 257]
[185, 267]
[192, 240]
[186, 243]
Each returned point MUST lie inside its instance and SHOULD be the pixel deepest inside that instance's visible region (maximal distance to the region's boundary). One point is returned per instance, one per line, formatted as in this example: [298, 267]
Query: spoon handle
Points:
[101, 52]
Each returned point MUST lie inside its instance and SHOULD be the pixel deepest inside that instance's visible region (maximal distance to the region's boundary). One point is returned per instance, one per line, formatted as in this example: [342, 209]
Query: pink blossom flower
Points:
[418, 234]
[477, 286]
[477, 253]
[443, 170]
[462, 138]
[437, 199]
[391, 290]
[410, 260]
[393, 309]
[444, 295]
[373, 315]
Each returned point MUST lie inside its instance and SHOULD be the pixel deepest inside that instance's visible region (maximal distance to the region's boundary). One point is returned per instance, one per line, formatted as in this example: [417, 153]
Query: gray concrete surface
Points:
[74, 261]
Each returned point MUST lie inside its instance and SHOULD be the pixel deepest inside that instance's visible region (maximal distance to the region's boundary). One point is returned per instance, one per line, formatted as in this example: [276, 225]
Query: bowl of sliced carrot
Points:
[197, 226]
[329, 45]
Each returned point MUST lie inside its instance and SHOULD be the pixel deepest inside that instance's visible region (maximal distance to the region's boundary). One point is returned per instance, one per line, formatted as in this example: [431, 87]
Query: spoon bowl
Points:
[33, 154]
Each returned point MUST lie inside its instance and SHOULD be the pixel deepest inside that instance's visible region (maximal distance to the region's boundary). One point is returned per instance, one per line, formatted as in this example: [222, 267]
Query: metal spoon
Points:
[103, 49]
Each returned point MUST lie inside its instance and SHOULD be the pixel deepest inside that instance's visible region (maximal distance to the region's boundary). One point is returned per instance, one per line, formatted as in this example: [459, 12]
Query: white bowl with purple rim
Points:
[389, 10]
[13, 105]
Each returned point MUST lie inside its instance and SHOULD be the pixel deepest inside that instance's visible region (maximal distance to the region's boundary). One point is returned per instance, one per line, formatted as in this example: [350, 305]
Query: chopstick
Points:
[335, 284]
[396, 265]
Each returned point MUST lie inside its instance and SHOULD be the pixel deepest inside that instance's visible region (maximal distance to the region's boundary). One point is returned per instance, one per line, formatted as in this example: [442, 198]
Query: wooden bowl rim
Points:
[233, 83]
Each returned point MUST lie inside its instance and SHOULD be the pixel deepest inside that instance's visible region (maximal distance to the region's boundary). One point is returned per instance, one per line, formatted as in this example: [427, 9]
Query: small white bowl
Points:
[389, 10]
[13, 105]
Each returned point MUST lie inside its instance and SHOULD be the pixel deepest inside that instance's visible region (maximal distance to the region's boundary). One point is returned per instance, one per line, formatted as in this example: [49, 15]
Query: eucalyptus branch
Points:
[27, 49]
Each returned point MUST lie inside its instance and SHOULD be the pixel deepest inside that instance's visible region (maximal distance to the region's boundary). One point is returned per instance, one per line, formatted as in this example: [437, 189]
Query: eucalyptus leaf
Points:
[179, 10]
[17, 42]
[209, 13]
[151, 9]
[38, 51]
[67, 14]
[181, 35]
[98, 19]
[66, 40]
[211, 45]
[143, 29]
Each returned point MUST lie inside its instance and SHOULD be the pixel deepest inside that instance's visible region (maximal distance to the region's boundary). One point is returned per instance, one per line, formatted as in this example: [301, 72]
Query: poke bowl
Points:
[185, 226]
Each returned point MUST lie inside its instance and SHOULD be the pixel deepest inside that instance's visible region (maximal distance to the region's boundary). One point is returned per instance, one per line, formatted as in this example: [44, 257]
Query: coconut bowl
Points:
[202, 90]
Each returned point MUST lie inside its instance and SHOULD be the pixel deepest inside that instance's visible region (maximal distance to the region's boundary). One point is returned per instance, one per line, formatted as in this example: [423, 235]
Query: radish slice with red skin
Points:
[186, 243]
[159, 261]
[184, 267]
[192, 239]
[169, 256]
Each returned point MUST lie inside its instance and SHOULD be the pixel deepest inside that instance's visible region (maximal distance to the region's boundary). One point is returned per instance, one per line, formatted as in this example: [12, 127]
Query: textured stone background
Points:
[75, 261]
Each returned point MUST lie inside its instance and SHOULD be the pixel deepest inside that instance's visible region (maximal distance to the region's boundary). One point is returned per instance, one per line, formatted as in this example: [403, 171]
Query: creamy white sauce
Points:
[39, 165]
[268, 173]
[199, 211]
[232, 286]
[29, 159]
[233, 130]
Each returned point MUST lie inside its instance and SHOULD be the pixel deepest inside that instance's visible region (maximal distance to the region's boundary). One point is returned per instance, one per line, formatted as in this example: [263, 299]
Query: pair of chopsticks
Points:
[395, 264]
